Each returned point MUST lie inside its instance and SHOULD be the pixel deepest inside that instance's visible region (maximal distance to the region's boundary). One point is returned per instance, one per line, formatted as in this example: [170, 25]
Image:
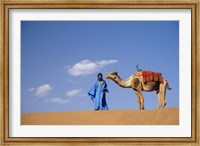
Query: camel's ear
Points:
[115, 73]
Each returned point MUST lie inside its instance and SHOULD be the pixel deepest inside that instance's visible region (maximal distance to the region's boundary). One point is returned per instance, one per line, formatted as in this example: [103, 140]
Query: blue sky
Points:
[60, 60]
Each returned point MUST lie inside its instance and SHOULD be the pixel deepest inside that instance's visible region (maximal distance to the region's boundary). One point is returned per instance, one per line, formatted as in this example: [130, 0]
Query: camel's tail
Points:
[167, 85]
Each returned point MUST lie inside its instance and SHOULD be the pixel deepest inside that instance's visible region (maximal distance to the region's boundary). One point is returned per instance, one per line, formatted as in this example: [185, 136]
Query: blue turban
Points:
[99, 74]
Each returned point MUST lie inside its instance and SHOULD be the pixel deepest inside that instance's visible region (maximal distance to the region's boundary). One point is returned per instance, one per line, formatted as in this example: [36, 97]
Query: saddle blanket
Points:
[149, 76]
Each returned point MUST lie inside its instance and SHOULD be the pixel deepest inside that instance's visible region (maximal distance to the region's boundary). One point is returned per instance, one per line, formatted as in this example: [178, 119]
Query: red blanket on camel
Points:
[149, 76]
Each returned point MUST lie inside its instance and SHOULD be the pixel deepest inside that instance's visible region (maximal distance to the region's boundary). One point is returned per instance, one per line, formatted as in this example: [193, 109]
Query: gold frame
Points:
[127, 4]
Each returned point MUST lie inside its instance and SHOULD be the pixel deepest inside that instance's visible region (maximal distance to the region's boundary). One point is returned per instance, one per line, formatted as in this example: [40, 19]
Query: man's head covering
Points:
[99, 74]
[100, 78]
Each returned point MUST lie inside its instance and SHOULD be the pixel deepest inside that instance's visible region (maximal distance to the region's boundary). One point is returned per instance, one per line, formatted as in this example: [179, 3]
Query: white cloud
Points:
[31, 89]
[86, 67]
[56, 100]
[104, 63]
[59, 100]
[75, 92]
[43, 90]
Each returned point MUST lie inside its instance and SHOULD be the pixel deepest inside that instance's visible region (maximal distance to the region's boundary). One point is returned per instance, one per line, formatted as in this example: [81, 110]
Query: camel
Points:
[138, 85]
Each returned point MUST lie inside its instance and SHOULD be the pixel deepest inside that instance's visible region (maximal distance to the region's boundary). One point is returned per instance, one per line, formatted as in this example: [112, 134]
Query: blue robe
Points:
[98, 95]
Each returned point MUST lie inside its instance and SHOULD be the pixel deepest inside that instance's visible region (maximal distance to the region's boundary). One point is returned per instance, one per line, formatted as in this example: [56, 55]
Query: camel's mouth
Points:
[107, 76]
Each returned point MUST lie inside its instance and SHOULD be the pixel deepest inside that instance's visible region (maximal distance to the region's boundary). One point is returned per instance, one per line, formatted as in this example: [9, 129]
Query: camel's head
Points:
[111, 75]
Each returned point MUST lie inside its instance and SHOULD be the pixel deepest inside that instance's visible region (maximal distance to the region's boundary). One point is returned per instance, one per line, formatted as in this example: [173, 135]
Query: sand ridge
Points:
[166, 116]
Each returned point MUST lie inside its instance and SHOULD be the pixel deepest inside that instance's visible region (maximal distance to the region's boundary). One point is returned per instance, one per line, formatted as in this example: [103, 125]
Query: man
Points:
[98, 93]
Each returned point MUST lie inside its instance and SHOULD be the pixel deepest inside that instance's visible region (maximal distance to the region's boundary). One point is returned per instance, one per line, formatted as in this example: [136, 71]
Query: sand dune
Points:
[167, 116]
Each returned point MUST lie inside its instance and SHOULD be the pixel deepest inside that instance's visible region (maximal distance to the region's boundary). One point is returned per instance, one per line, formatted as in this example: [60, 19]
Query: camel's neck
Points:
[123, 83]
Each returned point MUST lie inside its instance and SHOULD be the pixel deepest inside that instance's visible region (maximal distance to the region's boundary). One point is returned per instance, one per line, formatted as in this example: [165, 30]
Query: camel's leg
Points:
[139, 103]
[163, 95]
[141, 100]
[159, 100]
[138, 100]
[164, 98]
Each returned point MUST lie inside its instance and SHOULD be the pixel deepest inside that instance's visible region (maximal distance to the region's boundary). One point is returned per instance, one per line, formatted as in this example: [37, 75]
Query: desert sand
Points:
[167, 116]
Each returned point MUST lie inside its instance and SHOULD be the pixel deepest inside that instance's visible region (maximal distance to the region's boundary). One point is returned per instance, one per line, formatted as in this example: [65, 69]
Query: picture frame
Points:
[193, 5]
